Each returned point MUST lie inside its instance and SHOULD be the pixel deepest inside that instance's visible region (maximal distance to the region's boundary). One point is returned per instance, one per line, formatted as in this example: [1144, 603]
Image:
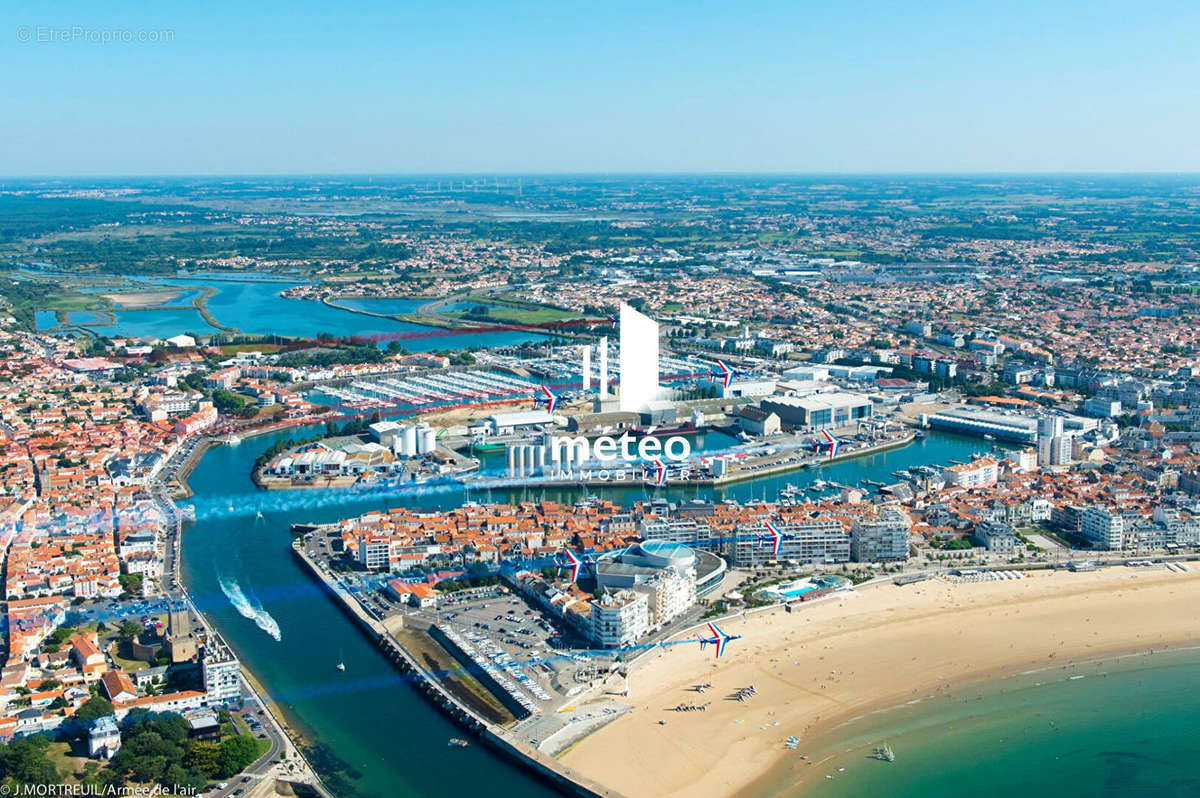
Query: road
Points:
[275, 762]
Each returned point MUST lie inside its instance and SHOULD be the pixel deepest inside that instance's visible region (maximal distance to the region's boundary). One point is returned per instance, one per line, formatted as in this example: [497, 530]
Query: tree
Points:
[131, 583]
[24, 761]
[94, 707]
[154, 749]
[237, 753]
[129, 629]
[183, 781]
[204, 757]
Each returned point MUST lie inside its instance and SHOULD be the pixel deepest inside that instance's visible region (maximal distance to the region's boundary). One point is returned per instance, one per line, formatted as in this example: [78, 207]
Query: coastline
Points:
[550, 769]
[509, 749]
[1056, 728]
[274, 712]
[824, 665]
[208, 441]
[293, 743]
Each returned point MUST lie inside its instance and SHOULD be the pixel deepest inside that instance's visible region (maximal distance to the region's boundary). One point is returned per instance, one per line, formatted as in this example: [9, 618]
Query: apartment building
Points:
[1104, 528]
[881, 539]
[222, 677]
[619, 619]
[375, 552]
[816, 541]
[977, 474]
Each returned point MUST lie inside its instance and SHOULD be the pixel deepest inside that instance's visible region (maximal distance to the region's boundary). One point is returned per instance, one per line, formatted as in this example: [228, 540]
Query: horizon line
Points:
[597, 174]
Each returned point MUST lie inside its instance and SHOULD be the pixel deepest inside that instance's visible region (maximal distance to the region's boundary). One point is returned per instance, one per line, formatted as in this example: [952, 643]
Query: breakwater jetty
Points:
[427, 684]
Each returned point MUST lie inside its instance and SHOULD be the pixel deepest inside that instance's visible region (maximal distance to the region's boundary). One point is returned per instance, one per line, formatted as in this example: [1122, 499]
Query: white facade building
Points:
[880, 539]
[819, 540]
[222, 678]
[1104, 528]
[977, 474]
[620, 619]
[1024, 459]
[639, 360]
[996, 536]
[104, 738]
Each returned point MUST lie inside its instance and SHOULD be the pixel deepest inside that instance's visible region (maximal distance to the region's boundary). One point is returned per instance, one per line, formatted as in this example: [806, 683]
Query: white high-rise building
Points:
[881, 539]
[603, 391]
[1049, 427]
[639, 360]
[222, 676]
[619, 619]
[1053, 444]
[1103, 527]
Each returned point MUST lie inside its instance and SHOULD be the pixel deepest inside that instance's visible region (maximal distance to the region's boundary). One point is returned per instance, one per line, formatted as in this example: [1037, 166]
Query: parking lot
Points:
[518, 645]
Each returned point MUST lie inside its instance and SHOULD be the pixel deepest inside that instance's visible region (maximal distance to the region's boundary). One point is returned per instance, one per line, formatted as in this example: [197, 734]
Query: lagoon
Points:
[255, 306]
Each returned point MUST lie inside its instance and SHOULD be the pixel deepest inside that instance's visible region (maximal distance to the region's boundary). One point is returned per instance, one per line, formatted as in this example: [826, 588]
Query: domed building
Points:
[671, 575]
[658, 554]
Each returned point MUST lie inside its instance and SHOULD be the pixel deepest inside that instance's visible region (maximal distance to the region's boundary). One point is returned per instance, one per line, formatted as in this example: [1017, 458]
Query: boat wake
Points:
[253, 610]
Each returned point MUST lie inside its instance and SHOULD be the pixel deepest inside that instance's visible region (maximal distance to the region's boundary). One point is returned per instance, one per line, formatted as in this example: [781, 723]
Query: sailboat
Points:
[341, 666]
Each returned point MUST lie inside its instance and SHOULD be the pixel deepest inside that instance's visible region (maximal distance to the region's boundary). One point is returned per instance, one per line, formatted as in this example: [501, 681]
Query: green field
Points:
[511, 311]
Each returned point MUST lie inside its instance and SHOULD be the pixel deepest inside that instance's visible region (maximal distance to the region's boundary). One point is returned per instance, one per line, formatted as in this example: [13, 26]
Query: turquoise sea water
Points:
[380, 736]
[1125, 727]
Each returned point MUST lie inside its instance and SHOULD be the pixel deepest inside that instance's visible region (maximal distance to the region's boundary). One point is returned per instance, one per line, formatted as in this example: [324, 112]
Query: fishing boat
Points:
[457, 742]
[884, 753]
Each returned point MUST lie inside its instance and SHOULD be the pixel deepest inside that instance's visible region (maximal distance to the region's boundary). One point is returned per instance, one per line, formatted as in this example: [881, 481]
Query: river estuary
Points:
[375, 735]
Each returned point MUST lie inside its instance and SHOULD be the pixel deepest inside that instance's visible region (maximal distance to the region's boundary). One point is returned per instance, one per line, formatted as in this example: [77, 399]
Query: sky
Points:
[503, 86]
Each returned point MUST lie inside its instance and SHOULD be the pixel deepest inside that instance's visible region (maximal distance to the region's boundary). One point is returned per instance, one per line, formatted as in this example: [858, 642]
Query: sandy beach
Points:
[873, 647]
